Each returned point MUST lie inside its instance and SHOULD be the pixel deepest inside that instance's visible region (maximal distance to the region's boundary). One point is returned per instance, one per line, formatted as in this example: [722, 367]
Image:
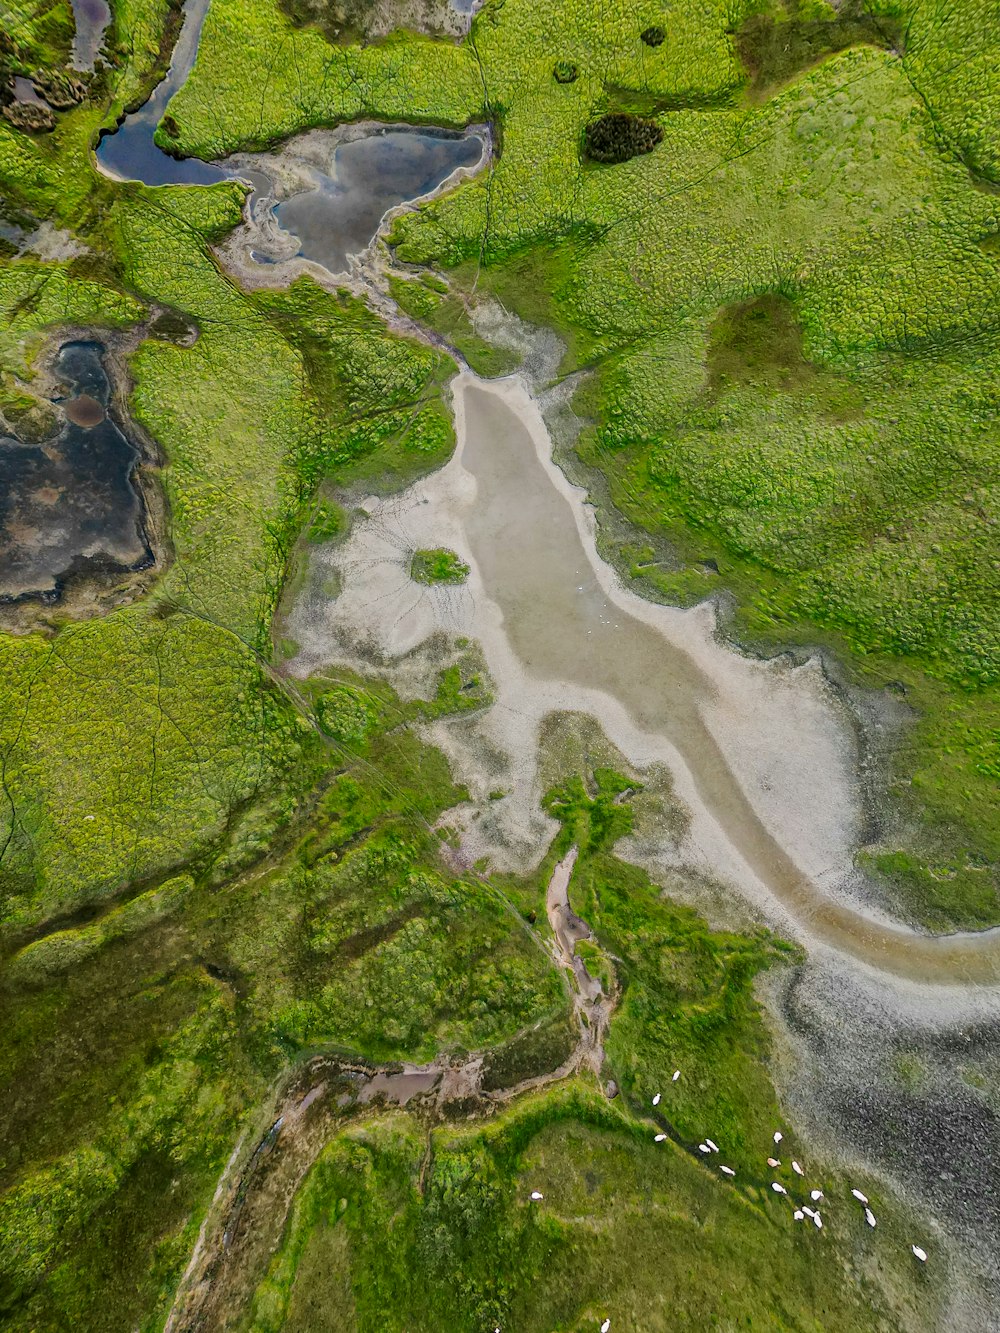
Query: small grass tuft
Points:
[437, 566]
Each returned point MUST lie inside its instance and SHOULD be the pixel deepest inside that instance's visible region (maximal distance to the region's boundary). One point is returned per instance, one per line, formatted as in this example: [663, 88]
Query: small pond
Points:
[68, 504]
[91, 18]
[366, 177]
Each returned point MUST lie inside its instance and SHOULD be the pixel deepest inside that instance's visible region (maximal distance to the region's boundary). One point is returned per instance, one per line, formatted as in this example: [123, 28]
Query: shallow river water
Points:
[129, 152]
[526, 542]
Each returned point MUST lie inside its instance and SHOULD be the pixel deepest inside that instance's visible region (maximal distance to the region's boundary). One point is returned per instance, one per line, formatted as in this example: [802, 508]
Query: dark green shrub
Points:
[653, 35]
[564, 71]
[618, 136]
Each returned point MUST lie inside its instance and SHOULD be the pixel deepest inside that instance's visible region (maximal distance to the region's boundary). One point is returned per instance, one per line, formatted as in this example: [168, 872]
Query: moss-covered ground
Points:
[787, 308]
[438, 566]
[140, 1038]
[394, 1228]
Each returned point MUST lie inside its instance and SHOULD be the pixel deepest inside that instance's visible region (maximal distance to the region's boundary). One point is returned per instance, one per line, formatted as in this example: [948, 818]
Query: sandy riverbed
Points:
[760, 751]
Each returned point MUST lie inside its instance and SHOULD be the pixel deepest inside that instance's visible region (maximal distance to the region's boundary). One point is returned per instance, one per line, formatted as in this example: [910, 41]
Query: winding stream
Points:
[322, 1096]
[129, 153]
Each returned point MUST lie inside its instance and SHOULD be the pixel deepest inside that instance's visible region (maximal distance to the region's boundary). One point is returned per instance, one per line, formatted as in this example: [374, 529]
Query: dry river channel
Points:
[568, 619]
[758, 755]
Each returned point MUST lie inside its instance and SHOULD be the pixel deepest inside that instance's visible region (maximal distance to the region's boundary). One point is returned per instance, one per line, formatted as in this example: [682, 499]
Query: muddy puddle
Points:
[399, 1088]
[91, 19]
[68, 504]
[760, 752]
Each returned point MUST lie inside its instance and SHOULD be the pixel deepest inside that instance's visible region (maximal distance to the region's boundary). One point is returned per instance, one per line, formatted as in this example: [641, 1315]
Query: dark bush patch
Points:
[541, 1048]
[172, 326]
[27, 116]
[564, 71]
[61, 88]
[653, 35]
[618, 136]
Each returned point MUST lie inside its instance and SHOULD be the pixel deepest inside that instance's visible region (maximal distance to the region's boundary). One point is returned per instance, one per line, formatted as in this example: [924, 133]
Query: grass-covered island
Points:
[437, 565]
[324, 1005]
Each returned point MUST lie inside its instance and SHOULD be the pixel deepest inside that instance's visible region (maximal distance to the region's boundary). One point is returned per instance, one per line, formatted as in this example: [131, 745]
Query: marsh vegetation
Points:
[211, 870]
[438, 566]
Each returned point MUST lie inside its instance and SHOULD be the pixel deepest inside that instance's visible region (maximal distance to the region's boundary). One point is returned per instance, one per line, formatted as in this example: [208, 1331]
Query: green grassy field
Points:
[627, 1229]
[786, 313]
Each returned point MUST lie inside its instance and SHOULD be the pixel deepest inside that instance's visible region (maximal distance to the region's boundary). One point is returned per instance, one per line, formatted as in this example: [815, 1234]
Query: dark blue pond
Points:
[68, 504]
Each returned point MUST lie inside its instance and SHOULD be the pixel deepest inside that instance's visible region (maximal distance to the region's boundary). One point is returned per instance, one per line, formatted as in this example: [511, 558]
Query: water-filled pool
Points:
[340, 199]
[91, 18]
[68, 504]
